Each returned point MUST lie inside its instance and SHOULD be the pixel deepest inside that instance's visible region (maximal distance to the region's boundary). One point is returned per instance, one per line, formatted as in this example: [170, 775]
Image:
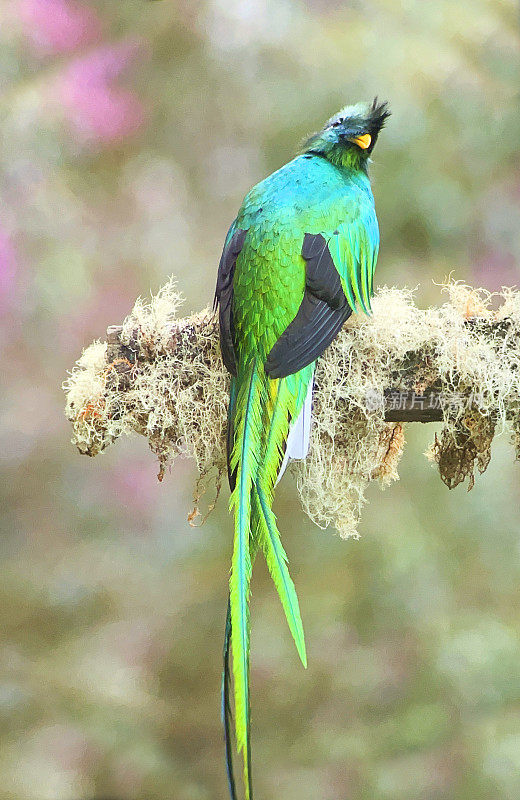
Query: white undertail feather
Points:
[298, 440]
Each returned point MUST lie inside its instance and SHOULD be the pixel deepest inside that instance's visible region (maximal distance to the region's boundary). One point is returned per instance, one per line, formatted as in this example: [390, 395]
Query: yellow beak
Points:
[362, 141]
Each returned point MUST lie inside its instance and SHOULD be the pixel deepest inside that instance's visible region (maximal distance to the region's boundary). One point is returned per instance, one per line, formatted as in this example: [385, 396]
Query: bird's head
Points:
[348, 138]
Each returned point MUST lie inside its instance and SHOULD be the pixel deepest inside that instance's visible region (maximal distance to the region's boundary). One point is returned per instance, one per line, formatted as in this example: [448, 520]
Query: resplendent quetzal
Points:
[297, 261]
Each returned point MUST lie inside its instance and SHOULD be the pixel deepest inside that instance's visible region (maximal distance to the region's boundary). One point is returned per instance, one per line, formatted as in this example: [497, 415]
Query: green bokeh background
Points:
[112, 607]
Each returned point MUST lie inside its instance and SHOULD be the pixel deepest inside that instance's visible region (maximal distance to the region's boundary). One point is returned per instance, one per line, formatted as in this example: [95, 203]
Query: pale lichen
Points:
[163, 377]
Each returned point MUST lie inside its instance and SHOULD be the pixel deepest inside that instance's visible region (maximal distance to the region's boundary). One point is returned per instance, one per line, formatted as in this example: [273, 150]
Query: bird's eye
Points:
[337, 122]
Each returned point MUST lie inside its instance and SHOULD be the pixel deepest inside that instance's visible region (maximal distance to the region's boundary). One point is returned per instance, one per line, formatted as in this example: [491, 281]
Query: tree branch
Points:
[400, 405]
[458, 364]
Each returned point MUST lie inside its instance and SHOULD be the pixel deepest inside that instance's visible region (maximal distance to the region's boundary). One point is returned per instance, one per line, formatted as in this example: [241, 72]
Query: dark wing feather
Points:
[321, 276]
[321, 315]
[224, 296]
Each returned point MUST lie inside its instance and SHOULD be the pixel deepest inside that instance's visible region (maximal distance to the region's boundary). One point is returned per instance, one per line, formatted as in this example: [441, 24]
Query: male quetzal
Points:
[297, 261]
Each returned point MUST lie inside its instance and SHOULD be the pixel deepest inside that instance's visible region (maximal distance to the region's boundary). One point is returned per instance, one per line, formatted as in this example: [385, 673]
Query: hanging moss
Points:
[162, 377]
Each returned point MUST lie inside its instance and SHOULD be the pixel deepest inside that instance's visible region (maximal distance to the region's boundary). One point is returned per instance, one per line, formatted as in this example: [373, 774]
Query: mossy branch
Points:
[458, 364]
[419, 404]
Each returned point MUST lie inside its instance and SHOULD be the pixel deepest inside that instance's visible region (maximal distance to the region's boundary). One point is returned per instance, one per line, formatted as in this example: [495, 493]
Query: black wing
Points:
[321, 315]
[224, 297]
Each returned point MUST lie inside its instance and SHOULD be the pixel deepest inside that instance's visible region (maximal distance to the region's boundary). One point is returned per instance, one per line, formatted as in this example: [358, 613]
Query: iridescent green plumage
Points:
[298, 259]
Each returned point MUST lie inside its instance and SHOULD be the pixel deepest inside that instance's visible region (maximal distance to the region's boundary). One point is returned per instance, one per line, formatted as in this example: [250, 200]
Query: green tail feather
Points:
[226, 675]
[259, 423]
[274, 552]
[244, 459]
[226, 708]
[225, 692]
[276, 559]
